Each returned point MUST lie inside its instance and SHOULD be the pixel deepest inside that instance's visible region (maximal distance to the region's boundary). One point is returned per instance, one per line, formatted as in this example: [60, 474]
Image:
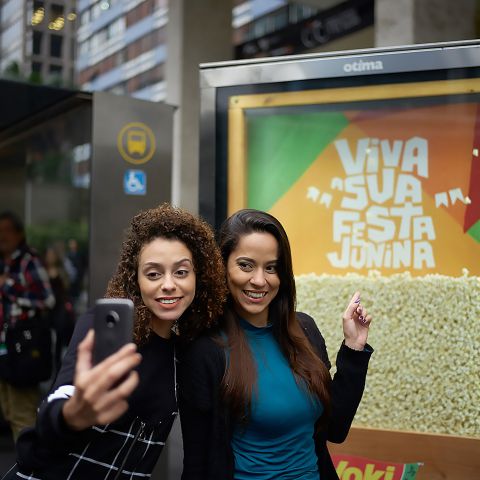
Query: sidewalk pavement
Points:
[7, 451]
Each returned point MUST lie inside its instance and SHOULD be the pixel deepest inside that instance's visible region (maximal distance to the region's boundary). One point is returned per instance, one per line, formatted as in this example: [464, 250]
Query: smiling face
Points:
[252, 276]
[167, 281]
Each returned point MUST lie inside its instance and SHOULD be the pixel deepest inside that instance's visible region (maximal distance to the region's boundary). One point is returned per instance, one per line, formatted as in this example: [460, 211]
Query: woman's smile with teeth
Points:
[169, 300]
[254, 294]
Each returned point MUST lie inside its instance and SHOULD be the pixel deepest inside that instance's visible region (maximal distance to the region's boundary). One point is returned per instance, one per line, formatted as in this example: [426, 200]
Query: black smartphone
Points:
[113, 325]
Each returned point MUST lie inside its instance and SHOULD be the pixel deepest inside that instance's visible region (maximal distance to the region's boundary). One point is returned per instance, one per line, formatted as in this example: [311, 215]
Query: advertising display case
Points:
[370, 159]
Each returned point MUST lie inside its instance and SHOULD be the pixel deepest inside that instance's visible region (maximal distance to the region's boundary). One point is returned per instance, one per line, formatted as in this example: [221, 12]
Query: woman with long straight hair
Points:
[256, 397]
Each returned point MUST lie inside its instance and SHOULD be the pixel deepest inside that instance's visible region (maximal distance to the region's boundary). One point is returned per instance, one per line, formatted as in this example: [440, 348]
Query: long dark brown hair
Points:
[175, 223]
[240, 376]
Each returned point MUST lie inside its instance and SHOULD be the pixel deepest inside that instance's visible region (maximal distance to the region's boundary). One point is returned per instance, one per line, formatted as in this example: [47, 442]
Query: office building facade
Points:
[37, 40]
[122, 47]
[122, 43]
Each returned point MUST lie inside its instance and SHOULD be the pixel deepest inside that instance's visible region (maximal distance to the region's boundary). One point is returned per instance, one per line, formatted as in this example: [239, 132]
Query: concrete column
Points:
[408, 22]
[198, 31]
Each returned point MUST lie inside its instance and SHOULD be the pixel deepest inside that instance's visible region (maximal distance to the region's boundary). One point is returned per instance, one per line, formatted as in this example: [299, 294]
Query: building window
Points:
[85, 17]
[120, 57]
[11, 35]
[8, 10]
[37, 42]
[119, 89]
[55, 74]
[38, 13]
[145, 79]
[84, 47]
[97, 10]
[57, 20]
[56, 46]
[116, 28]
[55, 70]
[36, 67]
[55, 11]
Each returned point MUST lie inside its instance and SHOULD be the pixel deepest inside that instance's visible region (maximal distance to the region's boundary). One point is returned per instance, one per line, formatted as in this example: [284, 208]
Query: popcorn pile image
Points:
[424, 375]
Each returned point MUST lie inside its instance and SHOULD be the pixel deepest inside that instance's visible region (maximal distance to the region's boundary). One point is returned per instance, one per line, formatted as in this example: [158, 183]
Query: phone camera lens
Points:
[112, 319]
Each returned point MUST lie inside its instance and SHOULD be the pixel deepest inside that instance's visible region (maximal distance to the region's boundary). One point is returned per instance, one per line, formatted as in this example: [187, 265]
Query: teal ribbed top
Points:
[278, 441]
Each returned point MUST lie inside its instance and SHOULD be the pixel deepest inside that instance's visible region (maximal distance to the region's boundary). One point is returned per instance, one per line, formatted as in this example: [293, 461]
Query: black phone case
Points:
[113, 324]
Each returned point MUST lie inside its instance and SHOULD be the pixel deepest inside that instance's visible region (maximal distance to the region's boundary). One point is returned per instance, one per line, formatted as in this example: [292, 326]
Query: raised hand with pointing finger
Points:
[356, 323]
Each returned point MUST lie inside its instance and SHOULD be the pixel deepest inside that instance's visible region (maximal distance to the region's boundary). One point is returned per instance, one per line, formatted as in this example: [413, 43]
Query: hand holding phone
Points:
[101, 392]
[105, 373]
[113, 325]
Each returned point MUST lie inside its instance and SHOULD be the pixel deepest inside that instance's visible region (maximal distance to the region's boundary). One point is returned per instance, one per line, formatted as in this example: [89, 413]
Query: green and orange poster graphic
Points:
[370, 185]
[349, 467]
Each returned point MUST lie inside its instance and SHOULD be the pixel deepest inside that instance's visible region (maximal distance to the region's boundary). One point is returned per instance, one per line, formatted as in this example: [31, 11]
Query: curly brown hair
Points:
[166, 221]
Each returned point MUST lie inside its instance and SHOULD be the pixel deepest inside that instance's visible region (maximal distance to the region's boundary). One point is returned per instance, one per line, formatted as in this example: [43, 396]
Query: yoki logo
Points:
[367, 472]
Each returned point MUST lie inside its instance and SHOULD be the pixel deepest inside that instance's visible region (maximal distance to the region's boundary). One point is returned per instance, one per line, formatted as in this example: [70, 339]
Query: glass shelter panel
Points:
[45, 179]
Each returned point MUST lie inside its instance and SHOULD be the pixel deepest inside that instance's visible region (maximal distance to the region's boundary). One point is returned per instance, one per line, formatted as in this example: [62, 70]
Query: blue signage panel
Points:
[135, 182]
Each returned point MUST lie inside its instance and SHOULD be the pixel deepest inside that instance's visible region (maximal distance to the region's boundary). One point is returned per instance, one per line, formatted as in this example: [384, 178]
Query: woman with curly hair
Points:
[111, 420]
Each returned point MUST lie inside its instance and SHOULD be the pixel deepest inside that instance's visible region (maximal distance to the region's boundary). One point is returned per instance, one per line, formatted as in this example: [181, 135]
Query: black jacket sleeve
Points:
[36, 446]
[346, 392]
[200, 373]
[348, 382]
[50, 424]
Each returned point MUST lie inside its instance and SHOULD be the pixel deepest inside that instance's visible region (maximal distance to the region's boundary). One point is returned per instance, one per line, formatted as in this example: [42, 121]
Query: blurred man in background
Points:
[25, 292]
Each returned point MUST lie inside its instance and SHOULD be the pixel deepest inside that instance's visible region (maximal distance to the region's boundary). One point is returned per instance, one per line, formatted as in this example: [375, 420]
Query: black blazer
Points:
[51, 451]
[207, 428]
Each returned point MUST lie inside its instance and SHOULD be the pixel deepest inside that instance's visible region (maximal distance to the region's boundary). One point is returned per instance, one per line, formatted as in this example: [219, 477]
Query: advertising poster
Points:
[380, 178]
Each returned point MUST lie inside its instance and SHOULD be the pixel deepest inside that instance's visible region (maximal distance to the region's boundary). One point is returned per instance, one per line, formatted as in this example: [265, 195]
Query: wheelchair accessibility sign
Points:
[135, 182]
